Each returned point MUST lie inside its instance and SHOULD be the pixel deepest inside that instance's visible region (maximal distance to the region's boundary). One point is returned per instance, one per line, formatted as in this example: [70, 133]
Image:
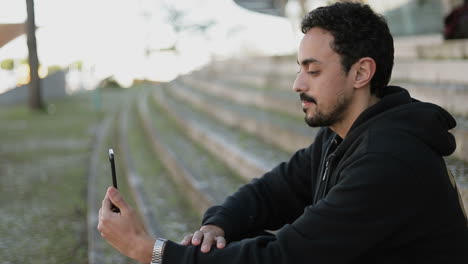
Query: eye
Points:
[313, 72]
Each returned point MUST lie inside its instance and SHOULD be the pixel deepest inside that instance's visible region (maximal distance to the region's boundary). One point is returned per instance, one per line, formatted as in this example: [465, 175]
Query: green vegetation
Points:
[54, 68]
[44, 160]
[24, 61]
[109, 82]
[77, 65]
[106, 254]
[7, 64]
[159, 187]
[218, 180]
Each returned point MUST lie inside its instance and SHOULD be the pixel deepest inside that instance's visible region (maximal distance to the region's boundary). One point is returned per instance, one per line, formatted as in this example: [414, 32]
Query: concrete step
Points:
[99, 251]
[264, 66]
[134, 179]
[431, 71]
[280, 82]
[269, 99]
[437, 68]
[166, 204]
[434, 80]
[448, 49]
[459, 170]
[242, 152]
[180, 174]
[95, 255]
[207, 179]
[430, 47]
[407, 47]
[216, 91]
[452, 97]
[282, 76]
[286, 132]
[449, 90]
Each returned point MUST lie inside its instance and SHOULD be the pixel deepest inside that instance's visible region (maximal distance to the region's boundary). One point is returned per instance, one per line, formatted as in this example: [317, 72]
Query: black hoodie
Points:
[381, 195]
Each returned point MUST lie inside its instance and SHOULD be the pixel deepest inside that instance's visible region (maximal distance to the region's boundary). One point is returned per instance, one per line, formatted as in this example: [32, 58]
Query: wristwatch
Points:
[158, 251]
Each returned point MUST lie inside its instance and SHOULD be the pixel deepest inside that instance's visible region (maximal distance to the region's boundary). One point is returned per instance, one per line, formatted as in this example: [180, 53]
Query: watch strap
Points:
[158, 250]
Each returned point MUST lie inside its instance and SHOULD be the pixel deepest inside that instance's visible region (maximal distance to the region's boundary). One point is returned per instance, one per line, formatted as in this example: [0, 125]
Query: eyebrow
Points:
[306, 62]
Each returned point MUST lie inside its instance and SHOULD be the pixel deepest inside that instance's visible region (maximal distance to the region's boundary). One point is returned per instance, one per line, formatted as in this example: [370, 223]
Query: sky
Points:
[111, 36]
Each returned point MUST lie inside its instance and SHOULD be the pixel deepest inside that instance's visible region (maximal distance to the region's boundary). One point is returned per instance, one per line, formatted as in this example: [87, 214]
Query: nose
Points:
[300, 84]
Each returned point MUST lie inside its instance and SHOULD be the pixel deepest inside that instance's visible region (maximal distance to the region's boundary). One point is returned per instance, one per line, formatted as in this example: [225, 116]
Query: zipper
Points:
[323, 182]
[326, 170]
[333, 145]
[327, 166]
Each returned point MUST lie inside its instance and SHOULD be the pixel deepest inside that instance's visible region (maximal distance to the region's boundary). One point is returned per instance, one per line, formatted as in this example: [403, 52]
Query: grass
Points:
[42, 187]
[44, 162]
[106, 253]
[174, 213]
[44, 159]
[217, 179]
[43, 166]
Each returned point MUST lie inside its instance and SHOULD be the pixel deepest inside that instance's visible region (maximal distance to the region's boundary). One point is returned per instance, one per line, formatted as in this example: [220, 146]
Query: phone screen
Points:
[114, 177]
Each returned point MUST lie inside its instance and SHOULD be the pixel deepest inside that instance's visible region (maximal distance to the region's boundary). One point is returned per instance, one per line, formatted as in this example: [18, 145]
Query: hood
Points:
[398, 111]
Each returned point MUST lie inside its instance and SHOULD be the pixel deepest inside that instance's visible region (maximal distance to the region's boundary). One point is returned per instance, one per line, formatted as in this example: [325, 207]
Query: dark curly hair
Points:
[358, 32]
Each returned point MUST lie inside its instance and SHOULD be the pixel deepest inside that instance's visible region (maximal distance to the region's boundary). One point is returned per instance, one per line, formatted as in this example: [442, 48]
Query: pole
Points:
[35, 98]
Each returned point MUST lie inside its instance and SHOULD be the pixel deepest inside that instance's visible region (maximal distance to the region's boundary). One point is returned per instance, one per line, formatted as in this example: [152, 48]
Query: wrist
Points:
[144, 250]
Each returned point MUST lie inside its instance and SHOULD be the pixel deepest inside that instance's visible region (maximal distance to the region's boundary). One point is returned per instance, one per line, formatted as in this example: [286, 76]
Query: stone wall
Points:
[52, 87]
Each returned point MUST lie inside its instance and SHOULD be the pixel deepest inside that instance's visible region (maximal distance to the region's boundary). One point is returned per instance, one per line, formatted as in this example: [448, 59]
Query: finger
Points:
[117, 199]
[186, 240]
[197, 238]
[105, 207]
[220, 242]
[208, 241]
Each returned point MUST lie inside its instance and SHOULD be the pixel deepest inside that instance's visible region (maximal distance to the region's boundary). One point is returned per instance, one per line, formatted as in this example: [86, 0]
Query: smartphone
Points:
[114, 208]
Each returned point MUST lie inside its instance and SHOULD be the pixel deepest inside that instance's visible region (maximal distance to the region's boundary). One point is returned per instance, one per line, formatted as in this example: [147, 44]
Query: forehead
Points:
[316, 45]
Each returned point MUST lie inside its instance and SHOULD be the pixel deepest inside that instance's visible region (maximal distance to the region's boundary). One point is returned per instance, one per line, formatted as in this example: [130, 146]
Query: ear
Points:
[365, 70]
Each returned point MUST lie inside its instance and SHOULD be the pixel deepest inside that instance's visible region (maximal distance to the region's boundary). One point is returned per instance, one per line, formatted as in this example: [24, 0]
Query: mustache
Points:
[305, 97]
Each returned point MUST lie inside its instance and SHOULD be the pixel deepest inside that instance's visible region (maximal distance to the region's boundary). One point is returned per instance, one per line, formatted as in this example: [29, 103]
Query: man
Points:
[372, 188]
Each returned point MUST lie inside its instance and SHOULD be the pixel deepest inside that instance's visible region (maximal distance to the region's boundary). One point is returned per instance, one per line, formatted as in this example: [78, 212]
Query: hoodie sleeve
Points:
[277, 198]
[363, 209]
[266, 203]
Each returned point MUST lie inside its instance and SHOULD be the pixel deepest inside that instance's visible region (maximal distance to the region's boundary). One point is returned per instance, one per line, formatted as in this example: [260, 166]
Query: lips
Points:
[307, 100]
[306, 104]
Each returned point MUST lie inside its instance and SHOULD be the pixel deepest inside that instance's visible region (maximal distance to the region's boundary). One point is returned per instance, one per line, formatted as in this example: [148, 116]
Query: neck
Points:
[359, 104]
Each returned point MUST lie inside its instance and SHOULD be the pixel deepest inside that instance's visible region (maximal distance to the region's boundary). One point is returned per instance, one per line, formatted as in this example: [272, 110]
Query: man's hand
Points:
[124, 230]
[208, 235]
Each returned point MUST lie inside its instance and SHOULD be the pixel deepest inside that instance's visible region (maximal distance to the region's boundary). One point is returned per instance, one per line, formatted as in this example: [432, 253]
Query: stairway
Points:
[187, 144]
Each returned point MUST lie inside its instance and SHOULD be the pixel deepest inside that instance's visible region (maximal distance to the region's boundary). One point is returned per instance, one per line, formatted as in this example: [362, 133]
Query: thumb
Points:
[117, 199]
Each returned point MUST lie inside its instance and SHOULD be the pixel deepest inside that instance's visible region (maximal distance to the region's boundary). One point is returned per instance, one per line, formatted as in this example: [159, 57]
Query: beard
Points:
[335, 115]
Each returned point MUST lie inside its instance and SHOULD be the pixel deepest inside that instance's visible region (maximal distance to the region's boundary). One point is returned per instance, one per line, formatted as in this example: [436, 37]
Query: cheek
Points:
[326, 103]
[338, 85]
[331, 93]
[340, 92]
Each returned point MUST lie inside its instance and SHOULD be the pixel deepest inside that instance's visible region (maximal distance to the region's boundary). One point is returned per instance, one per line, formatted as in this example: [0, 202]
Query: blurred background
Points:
[194, 96]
